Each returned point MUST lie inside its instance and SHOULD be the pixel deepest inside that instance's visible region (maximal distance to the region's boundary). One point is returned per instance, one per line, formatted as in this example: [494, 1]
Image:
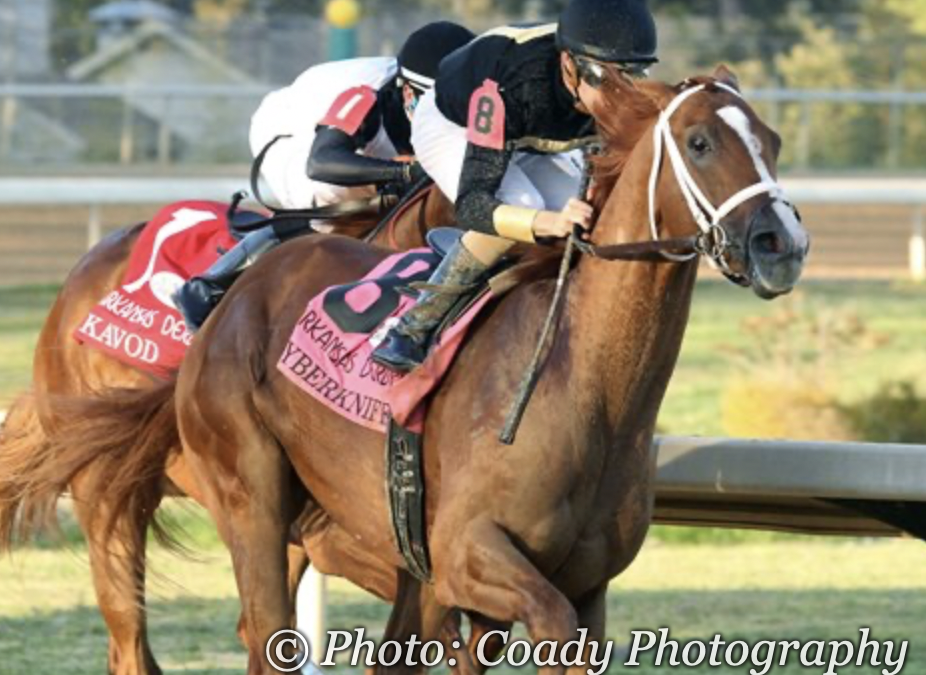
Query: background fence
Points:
[55, 127]
[86, 82]
[861, 227]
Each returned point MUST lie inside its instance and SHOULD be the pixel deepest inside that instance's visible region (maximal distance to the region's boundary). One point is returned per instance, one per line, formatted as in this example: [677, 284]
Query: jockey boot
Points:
[406, 344]
[200, 295]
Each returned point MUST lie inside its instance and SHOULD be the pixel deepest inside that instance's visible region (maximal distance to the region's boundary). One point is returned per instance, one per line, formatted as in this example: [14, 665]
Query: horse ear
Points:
[726, 76]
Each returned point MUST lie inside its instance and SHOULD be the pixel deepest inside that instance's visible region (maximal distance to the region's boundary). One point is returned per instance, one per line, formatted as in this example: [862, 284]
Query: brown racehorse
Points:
[64, 368]
[530, 533]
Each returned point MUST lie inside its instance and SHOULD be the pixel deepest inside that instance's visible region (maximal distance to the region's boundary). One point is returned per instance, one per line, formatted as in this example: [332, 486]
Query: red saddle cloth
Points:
[138, 323]
[328, 354]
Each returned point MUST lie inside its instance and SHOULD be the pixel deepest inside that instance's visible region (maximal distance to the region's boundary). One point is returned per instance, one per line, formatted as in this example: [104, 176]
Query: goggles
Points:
[595, 74]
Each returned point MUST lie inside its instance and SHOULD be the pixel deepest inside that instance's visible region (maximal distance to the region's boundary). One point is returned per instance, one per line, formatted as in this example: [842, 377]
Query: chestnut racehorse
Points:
[64, 368]
[531, 532]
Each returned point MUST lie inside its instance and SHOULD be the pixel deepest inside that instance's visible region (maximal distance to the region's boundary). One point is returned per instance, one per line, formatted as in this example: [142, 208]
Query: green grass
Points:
[22, 311]
[896, 311]
[799, 589]
[692, 406]
[767, 586]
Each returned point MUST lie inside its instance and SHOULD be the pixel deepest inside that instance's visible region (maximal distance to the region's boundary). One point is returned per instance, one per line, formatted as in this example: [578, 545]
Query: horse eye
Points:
[699, 145]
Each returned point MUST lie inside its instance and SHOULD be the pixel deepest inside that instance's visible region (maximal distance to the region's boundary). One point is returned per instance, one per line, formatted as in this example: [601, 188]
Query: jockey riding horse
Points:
[499, 133]
[318, 143]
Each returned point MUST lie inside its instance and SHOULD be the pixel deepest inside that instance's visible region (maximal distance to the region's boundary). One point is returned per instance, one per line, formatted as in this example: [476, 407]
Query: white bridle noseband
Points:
[705, 215]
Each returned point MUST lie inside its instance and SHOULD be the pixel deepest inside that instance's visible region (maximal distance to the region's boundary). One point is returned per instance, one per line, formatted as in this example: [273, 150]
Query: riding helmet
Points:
[613, 31]
[424, 49]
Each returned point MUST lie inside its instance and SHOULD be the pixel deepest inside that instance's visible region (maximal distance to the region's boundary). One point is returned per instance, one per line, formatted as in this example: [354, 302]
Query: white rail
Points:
[96, 192]
[123, 190]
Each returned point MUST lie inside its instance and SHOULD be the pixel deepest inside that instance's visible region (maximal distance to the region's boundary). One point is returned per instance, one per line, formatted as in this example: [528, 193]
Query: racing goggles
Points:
[595, 74]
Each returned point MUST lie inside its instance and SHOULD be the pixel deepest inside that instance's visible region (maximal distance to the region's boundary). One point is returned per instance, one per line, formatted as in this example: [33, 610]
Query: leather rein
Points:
[712, 241]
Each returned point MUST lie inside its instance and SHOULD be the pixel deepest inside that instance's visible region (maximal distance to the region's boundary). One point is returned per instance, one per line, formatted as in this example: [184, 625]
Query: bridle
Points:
[713, 241]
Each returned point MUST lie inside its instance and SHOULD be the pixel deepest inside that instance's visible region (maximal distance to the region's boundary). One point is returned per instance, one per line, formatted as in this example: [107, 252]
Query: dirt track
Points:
[40, 245]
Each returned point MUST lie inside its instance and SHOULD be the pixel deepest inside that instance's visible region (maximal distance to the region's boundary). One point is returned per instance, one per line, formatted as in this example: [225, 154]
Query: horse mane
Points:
[627, 111]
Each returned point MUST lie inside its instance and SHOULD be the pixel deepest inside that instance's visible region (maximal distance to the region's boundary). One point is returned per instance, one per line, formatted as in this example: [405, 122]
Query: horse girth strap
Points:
[405, 486]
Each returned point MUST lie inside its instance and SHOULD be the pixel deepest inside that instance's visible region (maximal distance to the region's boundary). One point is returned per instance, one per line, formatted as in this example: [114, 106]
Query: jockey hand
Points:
[560, 224]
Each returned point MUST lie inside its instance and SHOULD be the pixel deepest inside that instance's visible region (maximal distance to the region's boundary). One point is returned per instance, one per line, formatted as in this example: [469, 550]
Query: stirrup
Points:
[196, 299]
[406, 345]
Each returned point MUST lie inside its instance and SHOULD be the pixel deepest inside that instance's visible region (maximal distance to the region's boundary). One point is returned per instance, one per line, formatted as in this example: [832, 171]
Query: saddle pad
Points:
[138, 323]
[328, 354]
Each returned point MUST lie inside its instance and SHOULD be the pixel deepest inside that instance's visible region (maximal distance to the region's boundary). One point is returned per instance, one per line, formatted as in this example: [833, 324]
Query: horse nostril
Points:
[769, 243]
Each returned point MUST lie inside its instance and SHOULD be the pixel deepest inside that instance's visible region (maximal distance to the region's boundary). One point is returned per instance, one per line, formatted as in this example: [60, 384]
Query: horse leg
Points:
[247, 487]
[184, 483]
[417, 613]
[483, 571]
[297, 564]
[118, 571]
[592, 611]
[491, 645]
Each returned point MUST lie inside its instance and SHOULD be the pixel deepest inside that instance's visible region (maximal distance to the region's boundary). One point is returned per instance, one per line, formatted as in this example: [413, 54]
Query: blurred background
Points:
[154, 83]
[109, 110]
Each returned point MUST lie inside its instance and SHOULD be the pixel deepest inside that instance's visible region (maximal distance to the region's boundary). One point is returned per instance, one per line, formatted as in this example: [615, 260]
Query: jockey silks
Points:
[296, 110]
[521, 66]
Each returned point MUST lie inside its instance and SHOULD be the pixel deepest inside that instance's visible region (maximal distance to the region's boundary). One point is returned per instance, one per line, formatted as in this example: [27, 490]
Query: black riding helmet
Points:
[612, 31]
[424, 49]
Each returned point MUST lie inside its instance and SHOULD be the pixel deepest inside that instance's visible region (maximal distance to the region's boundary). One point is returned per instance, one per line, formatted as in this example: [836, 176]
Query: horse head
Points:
[713, 170]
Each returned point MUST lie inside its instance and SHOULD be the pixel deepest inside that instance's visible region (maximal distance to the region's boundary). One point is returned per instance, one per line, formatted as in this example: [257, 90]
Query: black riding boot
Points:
[406, 345]
[200, 295]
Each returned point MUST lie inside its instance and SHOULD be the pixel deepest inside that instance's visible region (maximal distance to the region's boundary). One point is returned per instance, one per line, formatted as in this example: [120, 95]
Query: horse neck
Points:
[627, 319]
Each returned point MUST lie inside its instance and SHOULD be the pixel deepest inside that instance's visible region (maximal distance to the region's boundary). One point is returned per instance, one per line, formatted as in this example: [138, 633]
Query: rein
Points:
[711, 242]
[408, 199]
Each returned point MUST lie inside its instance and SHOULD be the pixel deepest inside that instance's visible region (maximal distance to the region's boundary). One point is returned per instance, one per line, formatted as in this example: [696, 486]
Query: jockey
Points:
[499, 135]
[324, 143]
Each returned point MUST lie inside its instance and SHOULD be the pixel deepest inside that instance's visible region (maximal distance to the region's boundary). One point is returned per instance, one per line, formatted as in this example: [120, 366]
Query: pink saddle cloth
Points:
[138, 323]
[328, 354]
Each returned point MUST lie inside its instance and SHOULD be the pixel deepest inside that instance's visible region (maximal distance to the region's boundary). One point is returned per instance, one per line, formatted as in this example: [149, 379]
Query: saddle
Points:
[329, 357]
[241, 222]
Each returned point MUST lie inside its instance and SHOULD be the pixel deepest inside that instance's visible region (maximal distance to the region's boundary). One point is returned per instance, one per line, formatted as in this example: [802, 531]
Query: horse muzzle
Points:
[776, 248]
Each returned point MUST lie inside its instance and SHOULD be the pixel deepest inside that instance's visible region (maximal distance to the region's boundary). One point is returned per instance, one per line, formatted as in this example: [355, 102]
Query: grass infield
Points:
[896, 312]
[799, 588]
[767, 587]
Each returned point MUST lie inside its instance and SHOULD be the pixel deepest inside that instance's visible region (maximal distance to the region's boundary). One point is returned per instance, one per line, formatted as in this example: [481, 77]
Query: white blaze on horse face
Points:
[736, 119]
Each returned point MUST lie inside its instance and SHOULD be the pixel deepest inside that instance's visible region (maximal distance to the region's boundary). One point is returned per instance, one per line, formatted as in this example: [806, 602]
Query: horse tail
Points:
[23, 446]
[115, 443]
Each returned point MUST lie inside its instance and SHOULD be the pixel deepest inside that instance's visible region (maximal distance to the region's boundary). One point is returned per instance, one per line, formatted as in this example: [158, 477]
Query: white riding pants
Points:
[532, 180]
